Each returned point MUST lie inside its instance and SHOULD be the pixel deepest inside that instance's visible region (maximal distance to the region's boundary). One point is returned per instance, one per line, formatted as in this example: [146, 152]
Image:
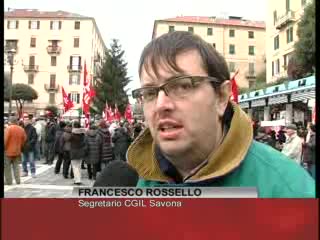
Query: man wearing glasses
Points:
[196, 136]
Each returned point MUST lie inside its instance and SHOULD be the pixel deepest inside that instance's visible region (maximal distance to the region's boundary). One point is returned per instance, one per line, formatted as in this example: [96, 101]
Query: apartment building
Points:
[240, 41]
[51, 49]
[282, 24]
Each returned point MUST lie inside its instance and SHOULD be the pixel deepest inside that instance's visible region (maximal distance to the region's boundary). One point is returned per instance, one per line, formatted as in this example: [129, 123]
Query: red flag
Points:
[117, 114]
[67, 103]
[86, 92]
[110, 115]
[128, 113]
[234, 88]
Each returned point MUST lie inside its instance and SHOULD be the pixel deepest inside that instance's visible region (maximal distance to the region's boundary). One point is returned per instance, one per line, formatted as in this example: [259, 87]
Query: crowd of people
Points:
[74, 147]
[293, 140]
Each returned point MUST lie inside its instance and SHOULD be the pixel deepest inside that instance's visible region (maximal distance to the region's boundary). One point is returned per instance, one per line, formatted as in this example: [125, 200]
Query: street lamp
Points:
[10, 55]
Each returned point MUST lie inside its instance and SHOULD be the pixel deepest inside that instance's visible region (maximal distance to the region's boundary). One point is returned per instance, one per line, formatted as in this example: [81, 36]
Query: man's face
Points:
[188, 126]
[290, 132]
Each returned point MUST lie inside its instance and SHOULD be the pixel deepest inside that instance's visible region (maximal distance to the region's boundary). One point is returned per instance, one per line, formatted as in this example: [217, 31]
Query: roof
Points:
[35, 13]
[217, 21]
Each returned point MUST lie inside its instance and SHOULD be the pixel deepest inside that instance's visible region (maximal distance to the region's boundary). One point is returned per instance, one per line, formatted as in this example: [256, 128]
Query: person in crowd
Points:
[309, 156]
[293, 145]
[58, 147]
[38, 126]
[273, 139]
[263, 137]
[196, 135]
[50, 140]
[14, 140]
[281, 138]
[106, 152]
[78, 150]
[137, 128]
[66, 147]
[29, 147]
[93, 157]
[121, 141]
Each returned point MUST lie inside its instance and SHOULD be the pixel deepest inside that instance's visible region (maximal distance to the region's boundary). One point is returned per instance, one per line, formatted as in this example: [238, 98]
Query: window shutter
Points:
[79, 62]
[17, 24]
[29, 24]
[38, 24]
[51, 25]
[8, 23]
[78, 98]
[78, 79]
[60, 24]
[70, 61]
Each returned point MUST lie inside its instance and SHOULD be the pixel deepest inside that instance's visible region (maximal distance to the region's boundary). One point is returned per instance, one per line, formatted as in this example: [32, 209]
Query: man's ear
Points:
[224, 94]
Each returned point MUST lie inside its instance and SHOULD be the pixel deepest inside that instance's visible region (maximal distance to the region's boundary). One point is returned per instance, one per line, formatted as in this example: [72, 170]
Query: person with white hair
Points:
[293, 145]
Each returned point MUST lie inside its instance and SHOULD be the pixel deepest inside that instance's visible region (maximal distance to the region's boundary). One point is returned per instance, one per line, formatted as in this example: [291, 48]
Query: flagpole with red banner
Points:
[67, 103]
[86, 97]
[234, 88]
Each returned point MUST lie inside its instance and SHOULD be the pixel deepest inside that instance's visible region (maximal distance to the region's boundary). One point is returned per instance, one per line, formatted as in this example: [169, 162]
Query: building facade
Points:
[281, 29]
[51, 51]
[240, 41]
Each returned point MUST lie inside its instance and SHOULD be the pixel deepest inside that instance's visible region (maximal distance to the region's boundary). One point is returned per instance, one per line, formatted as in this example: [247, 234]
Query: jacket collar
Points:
[229, 155]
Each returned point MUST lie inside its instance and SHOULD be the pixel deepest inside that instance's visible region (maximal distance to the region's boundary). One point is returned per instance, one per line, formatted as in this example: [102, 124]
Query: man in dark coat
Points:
[106, 154]
[50, 140]
[66, 147]
[29, 148]
[121, 141]
[58, 147]
[93, 157]
[309, 150]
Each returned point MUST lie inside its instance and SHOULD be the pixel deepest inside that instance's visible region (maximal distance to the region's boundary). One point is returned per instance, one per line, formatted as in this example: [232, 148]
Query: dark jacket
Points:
[78, 144]
[32, 137]
[65, 140]
[309, 150]
[121, 141]
[94, 143]
[105, 146]
[50, 132]
[57, 142]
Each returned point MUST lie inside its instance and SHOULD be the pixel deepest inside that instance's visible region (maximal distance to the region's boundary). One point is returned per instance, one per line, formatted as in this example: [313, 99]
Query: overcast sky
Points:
[131, 21]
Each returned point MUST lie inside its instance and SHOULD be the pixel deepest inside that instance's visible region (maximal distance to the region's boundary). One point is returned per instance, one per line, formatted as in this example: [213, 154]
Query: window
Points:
[11, 44]
[53, 60]
[276, 42]
[75, 62]
[251, 69]
[214, 45]
[278, 66]
[289, 34]
[232, 49]
[54, 43]
[287, 5]
[52, 80]
[76, 42]
[34, 24]
[13, 24]
[77, 25]
[31, 61]
[55, 25]
[251, 34]
[30, 78]
[251, 50]
[75, 97]
[74, 79]
[52, 98]
[209, 32]
[232, 67]
[33, 42]
[272, 68]
[171, 28]
[231, 33]
[275, 18]
[190, 29]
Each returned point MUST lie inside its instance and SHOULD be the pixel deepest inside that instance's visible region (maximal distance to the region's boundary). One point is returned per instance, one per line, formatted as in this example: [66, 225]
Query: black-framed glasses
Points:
[176, 88]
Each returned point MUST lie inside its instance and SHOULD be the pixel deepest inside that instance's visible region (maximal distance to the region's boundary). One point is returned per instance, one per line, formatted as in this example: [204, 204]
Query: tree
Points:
[113, 80]
[295, 69]
[21, 93]
[305, 47]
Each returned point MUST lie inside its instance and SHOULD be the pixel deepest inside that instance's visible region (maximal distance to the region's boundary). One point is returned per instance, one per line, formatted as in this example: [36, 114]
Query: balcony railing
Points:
[74, 68]
[51, 87]
[31, 68]
[7, 48]
[53, 49]
[285, 19]
[250, 75]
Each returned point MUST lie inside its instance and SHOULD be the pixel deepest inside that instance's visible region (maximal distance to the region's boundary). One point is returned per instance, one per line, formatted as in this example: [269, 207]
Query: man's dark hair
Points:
[164, 50]
[62, 124]
[76, 124]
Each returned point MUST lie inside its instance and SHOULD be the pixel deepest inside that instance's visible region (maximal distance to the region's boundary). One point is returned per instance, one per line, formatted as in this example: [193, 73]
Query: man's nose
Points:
[164, 102]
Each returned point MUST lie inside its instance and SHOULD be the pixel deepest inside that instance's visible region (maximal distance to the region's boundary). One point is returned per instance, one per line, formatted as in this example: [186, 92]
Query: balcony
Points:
[74, 68]
[7, 48]
[51, 87]
[53, 49]
[250, 75]
[31, 68]
[285, 20]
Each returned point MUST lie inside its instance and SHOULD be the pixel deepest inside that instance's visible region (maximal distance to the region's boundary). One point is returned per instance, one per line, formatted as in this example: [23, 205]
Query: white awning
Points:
[244, 105]
[258, 103]
[303, 95]
[278, 99]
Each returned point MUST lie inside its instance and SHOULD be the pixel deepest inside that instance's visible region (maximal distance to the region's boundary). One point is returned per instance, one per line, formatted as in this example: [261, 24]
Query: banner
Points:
[234, 88]
[86, 96]
[117, 114]
[128, 113]
[67, 103]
